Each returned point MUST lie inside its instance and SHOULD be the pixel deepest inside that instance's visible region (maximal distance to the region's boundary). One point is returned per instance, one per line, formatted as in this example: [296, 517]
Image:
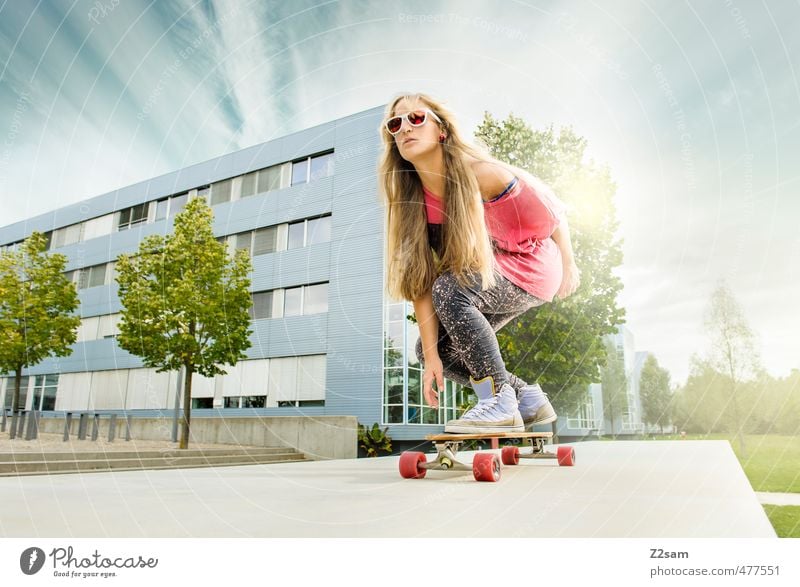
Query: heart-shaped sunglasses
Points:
[414, 118]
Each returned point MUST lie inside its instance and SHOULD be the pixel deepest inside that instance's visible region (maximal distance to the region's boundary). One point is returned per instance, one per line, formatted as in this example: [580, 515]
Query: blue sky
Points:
[694, 107]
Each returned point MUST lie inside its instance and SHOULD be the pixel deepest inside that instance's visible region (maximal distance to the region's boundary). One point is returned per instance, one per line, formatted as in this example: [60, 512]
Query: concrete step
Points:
[79, 463]
[70, 455]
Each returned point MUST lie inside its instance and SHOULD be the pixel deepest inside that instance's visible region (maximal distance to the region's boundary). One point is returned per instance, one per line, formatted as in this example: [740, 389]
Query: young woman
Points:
[472, 242]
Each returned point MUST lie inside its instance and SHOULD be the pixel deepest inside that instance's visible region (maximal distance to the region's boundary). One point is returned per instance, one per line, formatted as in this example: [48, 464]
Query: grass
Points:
[785, 519]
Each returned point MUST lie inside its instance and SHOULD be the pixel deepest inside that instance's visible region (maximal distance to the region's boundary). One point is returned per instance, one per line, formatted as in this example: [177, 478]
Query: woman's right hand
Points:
[434, 371]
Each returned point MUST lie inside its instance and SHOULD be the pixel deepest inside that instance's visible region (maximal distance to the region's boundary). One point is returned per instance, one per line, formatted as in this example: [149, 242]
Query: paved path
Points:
[691, 489]
[778, 498]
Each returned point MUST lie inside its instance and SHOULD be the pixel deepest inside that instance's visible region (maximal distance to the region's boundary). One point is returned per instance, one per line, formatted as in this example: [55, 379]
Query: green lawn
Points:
[785, 519]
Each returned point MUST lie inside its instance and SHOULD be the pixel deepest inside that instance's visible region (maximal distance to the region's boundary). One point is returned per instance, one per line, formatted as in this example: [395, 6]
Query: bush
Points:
[374, 440]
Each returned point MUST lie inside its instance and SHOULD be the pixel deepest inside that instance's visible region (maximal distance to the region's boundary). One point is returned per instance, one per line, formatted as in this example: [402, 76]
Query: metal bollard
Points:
[82, 425]
[3, 422]
[96, 426]
[112, 427]
[67, 426]
[128, 420]
[21, 424]
[32, 433]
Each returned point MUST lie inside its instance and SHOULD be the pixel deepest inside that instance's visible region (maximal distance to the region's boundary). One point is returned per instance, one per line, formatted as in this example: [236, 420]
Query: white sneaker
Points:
[534, 407]
[496, 411]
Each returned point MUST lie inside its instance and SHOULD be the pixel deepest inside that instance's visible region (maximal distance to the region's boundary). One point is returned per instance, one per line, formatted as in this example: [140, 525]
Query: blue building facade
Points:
[326, 338]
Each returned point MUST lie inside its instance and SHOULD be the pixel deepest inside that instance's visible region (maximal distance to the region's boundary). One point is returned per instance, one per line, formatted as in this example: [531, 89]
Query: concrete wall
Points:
[319, 437]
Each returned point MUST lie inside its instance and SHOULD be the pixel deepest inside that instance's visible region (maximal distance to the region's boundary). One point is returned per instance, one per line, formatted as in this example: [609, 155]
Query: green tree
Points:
[560, 344]
[615, 385]
[185, 302]
[732, 353]
[787, 404]
[700, 404]
[654, 391]
[37, 305]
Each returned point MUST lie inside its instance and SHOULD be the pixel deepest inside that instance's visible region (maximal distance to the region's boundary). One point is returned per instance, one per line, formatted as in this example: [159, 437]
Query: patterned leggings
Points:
[470, 317]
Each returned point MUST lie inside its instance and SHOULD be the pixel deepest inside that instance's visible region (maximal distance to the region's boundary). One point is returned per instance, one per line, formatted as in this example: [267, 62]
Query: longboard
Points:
[485, 465]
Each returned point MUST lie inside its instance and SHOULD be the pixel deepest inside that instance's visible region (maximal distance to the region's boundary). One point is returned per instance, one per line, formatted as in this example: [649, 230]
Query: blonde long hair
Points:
[411, 269]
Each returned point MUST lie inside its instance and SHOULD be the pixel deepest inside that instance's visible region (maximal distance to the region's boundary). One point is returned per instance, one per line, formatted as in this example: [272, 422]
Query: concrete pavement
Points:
[616, 489]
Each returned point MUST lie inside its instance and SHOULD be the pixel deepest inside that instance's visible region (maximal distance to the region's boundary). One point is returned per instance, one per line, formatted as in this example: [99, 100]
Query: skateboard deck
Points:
[486, 435]
[485, 465]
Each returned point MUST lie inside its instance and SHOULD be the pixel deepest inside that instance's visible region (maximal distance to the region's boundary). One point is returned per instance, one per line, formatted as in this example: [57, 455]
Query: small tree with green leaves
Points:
[733, 352]
[185, 302]
[615, 385]
[654, 391]
[37, 305]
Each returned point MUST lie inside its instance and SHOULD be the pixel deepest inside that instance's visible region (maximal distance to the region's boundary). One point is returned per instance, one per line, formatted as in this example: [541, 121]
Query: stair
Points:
[58, 462]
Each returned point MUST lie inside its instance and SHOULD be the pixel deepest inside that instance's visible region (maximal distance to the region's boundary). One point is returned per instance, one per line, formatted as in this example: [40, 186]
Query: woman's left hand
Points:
[570, 281]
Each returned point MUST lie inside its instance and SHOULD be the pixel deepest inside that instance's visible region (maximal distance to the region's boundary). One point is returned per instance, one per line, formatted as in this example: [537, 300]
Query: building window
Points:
[315, 299]
[204, 192]
[318, 230]
[91, 276]
[67, 235]
[44, 392]
[311, 168]
[258, 242]
[293, 301]
[171, 206]
[300, 172]
[269, 179]
[249, 184]
[11, 247]
[297, 301]
[297, 235]
[132, 216]
[584, 417]
[265, 240]
[261, 181]
[321, 166]
[23, 392]
[221, 192]
[247, 401]
[305, 300]
[202, 403]
[262, 305]
[309, 232]
[100, 226]
[244, 240]
[308, 403]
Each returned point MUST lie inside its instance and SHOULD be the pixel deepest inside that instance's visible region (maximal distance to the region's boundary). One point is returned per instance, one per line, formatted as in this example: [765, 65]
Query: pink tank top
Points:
[519, 221]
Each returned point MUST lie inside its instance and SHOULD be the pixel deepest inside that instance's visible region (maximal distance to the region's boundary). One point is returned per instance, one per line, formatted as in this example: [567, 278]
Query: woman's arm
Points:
[428, 324]
[572, 275]
[562, 238]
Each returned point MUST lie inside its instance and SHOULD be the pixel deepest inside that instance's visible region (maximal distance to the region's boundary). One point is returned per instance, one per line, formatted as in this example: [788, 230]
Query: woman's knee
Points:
[443, 292]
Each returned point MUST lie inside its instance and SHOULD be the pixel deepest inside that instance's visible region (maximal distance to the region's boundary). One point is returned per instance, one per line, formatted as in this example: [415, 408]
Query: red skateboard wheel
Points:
[486, 467]
[409, 465]
[566, 456]
[510, 455]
